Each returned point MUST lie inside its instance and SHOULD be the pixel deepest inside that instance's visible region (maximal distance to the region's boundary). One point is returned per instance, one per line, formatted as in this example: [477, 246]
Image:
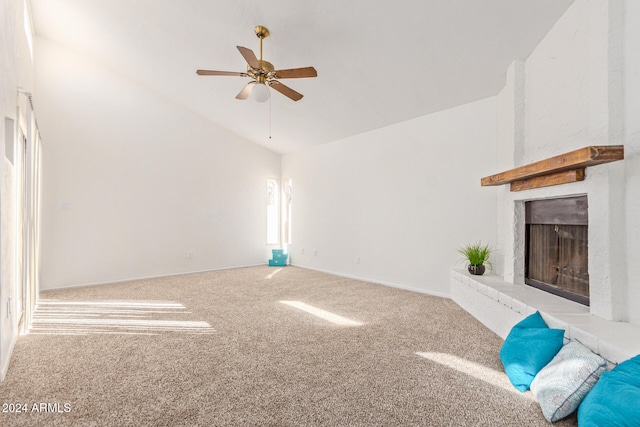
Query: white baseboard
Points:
[133, 279]
[7, 360]
[376, 281]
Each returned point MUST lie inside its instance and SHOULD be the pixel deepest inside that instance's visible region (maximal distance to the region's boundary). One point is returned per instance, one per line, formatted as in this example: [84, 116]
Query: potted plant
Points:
[476, 255]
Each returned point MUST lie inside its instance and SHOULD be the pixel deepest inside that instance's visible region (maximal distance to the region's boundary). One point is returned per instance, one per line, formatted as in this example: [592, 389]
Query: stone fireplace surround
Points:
[500, 298]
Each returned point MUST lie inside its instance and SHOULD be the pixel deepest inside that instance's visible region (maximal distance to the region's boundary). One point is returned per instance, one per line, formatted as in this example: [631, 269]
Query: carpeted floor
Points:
[259, 346]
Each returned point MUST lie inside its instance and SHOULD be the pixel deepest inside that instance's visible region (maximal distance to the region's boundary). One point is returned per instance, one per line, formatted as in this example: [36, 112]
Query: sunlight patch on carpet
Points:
[322, 314]
[117, 304]
[270, 275]
[475, 370]
[114, 317]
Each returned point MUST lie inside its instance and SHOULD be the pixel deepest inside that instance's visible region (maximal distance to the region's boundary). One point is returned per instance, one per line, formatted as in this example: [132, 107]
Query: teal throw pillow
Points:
[530, 345]
[534, 320]
[615, 399]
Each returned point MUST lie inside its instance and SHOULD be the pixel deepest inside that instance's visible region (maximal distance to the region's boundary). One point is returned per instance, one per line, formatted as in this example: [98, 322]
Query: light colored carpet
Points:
[221, 348]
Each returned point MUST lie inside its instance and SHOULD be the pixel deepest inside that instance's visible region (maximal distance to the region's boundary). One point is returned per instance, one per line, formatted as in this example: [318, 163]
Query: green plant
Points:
[476, 253]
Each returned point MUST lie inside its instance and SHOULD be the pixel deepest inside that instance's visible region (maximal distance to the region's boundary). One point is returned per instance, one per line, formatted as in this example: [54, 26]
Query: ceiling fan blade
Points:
[285, 90]
[296, 73]
[246, 91]
[249, 56]
[219, 73]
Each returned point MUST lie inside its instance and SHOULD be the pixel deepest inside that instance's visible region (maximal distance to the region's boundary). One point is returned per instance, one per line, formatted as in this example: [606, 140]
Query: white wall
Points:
[132, 183]
[15, 71]
[631, 138]
[401, 198]
[580, 88]
[570, 82]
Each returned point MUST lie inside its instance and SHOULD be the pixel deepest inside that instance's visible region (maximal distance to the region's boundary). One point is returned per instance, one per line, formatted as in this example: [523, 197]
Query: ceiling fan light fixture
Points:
[260, 93]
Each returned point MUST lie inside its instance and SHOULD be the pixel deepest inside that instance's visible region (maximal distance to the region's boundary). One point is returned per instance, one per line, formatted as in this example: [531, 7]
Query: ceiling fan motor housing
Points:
[265, 72]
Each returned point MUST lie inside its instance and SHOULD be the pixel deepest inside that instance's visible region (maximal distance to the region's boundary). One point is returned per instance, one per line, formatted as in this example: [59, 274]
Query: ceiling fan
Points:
[264, 74]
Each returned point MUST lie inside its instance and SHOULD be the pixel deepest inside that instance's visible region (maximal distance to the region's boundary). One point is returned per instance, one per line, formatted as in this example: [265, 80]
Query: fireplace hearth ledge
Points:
[499, 305]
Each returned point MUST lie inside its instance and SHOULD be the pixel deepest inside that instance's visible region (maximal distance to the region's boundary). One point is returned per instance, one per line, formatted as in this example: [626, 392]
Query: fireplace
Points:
[556, 247]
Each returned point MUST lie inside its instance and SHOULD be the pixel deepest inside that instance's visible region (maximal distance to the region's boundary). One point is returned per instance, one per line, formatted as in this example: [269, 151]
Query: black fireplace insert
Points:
[557, 247]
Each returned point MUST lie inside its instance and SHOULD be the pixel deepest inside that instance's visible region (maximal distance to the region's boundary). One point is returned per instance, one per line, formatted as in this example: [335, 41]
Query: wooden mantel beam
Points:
[528, 176]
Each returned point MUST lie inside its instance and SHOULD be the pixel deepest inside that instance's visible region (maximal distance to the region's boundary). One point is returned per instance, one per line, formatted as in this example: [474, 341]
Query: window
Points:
[287, 190]
[272, 212]
[28, 29]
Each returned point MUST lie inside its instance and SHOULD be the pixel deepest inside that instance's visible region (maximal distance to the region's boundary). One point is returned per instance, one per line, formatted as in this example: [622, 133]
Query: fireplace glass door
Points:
[556, 254]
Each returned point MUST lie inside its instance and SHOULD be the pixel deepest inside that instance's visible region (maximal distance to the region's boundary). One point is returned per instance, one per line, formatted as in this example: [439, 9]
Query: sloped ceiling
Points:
[378, 62]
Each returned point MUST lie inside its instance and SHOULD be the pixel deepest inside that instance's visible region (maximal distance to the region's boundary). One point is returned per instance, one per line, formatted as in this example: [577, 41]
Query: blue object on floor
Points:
[278, 258]
[528, 348]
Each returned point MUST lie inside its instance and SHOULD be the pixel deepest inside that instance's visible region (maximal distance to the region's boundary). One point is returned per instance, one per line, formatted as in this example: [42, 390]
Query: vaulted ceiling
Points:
[378, 62]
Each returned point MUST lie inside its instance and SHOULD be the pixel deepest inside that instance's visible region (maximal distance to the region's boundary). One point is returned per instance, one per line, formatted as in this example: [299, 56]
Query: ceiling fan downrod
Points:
[262, 32]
